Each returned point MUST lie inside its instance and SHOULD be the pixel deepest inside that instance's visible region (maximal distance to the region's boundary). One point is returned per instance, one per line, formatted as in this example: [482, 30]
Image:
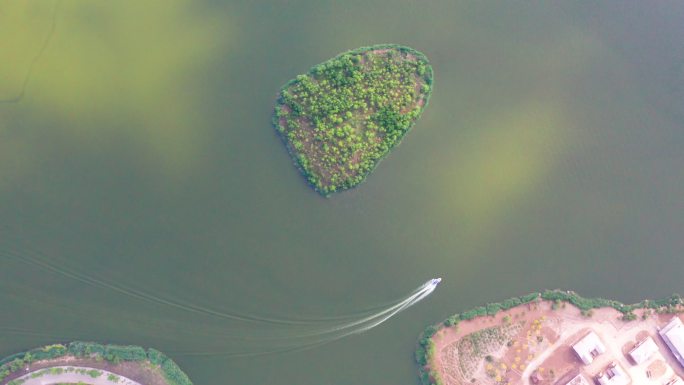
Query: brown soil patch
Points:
[512, 360]
[561, 363]
[642, 335]
[657, 369]
[550, 334]
[565, 378]
[627, 347]
[542, 348]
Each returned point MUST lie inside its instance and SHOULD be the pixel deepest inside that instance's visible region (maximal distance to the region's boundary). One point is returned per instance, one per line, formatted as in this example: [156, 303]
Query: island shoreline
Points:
[281, 126]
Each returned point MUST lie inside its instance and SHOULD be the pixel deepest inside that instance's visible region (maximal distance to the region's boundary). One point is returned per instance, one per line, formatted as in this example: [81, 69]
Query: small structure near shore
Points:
[673, 335]
[613, 375]
[589, 347]
[644, 350]
[578, 380]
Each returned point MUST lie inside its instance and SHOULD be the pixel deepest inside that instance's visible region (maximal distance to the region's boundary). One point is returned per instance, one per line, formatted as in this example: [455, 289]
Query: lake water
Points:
[141, 159]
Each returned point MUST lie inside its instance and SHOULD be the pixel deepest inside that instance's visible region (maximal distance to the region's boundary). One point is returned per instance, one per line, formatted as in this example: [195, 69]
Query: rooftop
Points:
[643, 351]
[673, 335]
[578, 380]
[589, 347]
[613, 375]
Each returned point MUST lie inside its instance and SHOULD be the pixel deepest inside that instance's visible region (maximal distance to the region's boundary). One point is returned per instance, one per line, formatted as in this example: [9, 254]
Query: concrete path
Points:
[72, 376]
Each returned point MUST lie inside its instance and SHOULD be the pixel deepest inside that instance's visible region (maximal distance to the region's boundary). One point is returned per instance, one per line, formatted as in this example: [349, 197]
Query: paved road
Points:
[73, 377]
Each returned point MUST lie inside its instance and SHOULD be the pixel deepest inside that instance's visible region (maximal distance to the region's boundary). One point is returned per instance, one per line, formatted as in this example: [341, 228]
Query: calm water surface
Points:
[141, 156]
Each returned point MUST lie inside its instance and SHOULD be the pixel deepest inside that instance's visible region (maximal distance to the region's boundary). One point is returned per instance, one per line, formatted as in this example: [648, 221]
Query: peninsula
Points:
[557, 338]
[91, 363]
[343, 116]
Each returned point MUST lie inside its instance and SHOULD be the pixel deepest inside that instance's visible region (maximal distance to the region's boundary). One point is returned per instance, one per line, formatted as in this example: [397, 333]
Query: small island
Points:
[557, 338]
[342, 117]
[91, 363]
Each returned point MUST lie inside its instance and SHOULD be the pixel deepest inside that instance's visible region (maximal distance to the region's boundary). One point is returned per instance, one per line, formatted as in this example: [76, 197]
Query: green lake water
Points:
[140, 161]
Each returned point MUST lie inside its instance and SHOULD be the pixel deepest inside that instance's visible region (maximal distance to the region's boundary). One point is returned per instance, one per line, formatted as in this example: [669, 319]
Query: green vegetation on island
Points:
[342, 117]
[99, 355]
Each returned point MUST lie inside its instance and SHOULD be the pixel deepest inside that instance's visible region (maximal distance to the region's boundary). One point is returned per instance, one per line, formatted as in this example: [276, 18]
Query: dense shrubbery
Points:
[125, 353]
[425, 348]
[111, 353]
[346, 114]
[663, 305]
[173, 373]
[155, 356]
[423, 355]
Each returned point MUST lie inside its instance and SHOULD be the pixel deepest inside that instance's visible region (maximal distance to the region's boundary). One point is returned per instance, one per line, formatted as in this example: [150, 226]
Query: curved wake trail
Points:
[275, 336]
[143, 296]
[385, 314]
[332, 334]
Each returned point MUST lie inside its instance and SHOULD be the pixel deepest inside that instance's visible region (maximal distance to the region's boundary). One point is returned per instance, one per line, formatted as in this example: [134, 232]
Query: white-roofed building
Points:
[579, 380]
[613, 375]
[589, 347]
[673, 335]
[643, 351]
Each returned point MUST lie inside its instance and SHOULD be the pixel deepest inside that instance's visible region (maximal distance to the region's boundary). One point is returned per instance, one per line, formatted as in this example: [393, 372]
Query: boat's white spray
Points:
[301, 341]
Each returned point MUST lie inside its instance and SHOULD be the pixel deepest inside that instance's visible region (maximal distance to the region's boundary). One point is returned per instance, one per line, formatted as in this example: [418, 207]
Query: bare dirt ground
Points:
[540, 351]
[446, 344]
[71, 375]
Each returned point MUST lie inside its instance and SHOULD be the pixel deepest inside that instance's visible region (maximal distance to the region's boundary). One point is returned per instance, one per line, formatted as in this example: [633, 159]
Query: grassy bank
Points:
[425, 347]
[113, 354]
[343, 116]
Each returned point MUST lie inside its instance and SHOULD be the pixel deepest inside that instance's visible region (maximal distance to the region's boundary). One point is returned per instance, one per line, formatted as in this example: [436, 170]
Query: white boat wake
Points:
[264, 335]
[292, 341]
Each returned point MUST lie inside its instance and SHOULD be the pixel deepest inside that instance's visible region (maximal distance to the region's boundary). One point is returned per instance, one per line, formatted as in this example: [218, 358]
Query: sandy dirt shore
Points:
[532, 344]
[134, 371]
[71, 375]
